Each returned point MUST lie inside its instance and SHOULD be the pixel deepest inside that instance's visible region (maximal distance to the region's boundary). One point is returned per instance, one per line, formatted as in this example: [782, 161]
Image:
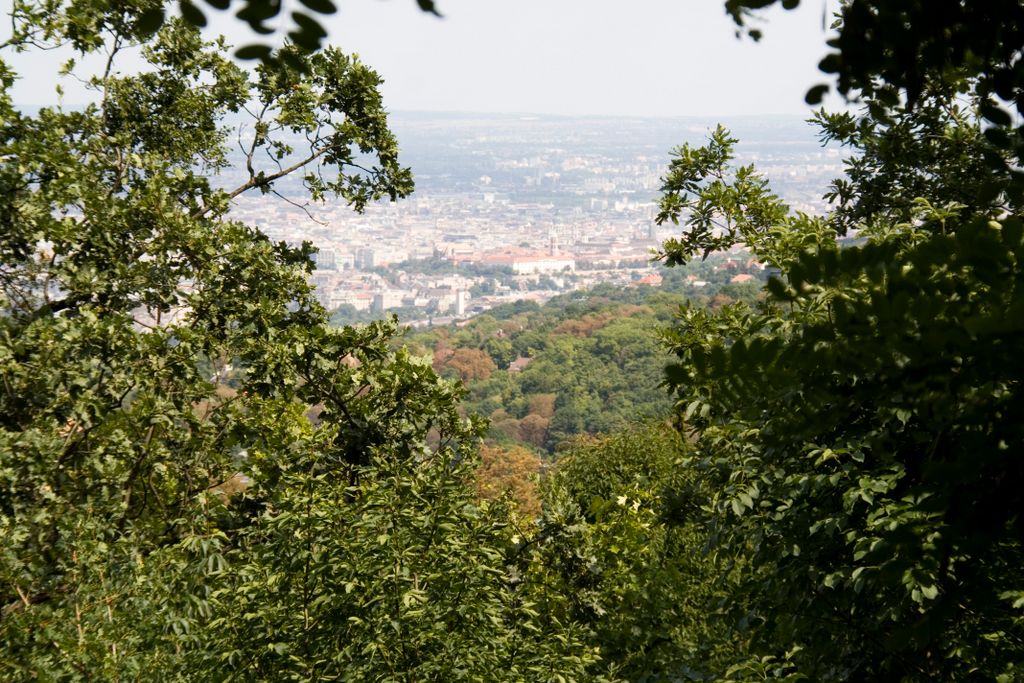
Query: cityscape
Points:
[511, 207]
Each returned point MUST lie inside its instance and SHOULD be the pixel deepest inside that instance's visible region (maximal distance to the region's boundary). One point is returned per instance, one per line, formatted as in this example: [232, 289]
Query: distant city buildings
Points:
[527, 210]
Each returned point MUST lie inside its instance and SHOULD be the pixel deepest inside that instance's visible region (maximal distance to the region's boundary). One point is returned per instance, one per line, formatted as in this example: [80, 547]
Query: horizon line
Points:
[523, 114]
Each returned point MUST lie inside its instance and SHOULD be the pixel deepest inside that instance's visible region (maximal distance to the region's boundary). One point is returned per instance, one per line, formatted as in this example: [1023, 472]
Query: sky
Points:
[564, 57]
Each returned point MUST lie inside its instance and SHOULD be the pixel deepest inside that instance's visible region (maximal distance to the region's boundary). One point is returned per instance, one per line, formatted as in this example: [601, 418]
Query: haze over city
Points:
[571, 57]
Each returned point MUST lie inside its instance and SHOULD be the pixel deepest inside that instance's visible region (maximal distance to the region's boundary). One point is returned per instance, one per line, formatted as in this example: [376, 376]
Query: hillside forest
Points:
[812, 476]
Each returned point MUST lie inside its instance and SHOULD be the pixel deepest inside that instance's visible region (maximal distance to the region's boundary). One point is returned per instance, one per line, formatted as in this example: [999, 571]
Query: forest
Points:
[814, 478]
[588, 362]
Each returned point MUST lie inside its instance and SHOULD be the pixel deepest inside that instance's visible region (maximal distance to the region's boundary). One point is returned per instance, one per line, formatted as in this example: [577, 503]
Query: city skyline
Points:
[521, 207]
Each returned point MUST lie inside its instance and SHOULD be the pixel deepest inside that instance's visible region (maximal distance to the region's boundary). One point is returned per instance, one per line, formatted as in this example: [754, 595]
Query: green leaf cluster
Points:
[859, 427]
[197, 473]
[622, 539]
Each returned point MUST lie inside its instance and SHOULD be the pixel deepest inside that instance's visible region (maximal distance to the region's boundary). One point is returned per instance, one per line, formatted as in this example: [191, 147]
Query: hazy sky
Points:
[603, 57]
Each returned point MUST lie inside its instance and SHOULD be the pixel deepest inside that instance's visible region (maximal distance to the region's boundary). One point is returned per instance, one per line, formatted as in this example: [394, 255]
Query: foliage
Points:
[347, 314]
[441, 266]
[466, 364]
[722, 208]
[400, 578]
[589, 374]
[148, 17]
[860, 424]
[619, 539]
[513, 470]
[885, 47]
[595, 359]
[936, 150]
[198, 474]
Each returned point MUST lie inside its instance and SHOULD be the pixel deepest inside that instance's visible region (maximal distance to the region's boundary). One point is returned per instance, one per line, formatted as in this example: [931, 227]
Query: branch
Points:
[264, 180]
[300, 206]
[255, 140]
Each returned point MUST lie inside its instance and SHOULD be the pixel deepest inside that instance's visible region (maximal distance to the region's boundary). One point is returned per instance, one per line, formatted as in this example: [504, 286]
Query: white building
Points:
[531, 265]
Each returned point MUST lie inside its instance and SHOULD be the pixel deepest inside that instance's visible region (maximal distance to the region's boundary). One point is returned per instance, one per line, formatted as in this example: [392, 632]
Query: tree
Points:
[619, 539]
[329, 492]
[533, 429]
[542, 405]
[469, 364]
[514, 470]
[122, 280]
[886, 47]
[860, 425]
[403, 577]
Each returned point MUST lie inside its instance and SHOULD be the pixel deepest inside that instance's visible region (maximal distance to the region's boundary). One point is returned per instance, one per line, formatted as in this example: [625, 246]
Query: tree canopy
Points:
[198, 473]
[863, 423]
